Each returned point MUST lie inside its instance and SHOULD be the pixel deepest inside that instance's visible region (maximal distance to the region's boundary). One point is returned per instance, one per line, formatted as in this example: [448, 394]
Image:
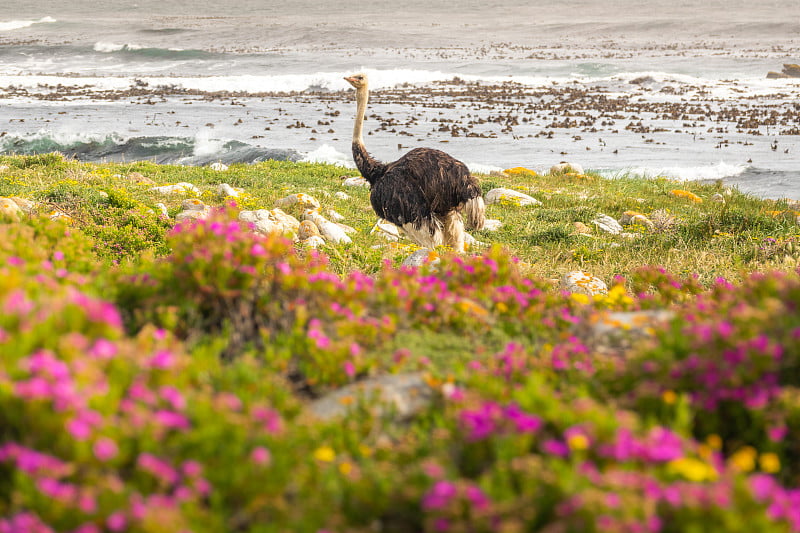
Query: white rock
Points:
[289, 223]
[717, 197]
[492, 224]
[387, 230]
[329, 230]
[223, 189]
[219, 166]
[564, 167]
[342, 195]
[178, 188]
[306, 201]
[271, 221]
[421, 257]
[583, 283]
[607, 224]
[162, 209]
[503, 195]
[355, 181]
[347, 229]
[307, 229]
[315, 241]
[193, 208]
[336, 217]
[471, 242]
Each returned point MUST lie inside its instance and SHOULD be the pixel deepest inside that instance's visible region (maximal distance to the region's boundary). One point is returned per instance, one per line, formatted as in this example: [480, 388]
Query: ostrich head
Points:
[359, 81]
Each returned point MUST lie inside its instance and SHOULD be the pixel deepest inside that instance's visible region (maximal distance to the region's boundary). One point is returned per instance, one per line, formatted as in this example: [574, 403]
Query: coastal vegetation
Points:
[162, 376]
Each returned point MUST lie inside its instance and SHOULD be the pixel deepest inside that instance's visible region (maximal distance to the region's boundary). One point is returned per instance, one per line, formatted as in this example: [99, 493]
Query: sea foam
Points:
[716, 171]
[19, 24]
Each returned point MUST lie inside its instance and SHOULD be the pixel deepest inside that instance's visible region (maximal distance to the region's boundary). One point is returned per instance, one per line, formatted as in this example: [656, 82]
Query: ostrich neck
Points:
[369, 167]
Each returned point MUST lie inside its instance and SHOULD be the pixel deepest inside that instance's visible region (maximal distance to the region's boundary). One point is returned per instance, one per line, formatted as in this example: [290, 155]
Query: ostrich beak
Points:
[350, 79]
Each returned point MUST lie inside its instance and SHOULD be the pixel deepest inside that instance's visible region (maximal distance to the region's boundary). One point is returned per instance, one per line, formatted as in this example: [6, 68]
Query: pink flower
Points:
[79, 429]
[439, 496]
[260, 456]
[163, 359]
[171, 419]
[192, 468]
[349, 369]
[103, 349]
[116, 521]
[555, 447]
[105, 449]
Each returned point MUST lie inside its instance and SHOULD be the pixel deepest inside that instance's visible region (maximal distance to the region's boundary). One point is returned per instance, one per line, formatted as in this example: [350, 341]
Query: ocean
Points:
[624, 87]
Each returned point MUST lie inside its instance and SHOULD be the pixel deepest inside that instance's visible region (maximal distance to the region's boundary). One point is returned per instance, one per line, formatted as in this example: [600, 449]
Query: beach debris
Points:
[178, 188]
[341, 195]
[354, 181]
[223, 189]
[565, 167]
[421, 257]
[386, 229]
[399, 395]
[218, 166]
[680, 193]
[193, 208]
[306, 201]
[267, 221]
[581, 282]
[502, 195]
[9, 209]
[140, 179]
[329, 230]
[336, 217]
[492, 224]
[607, 224]
[581, 229]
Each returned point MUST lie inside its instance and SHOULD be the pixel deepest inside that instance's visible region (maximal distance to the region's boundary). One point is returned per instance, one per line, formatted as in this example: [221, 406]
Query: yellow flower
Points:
[680, 193]
[578, 442]
[365, 450]
[579, 297]
[714, 441]
[669, 397]
[502, 307]
[692, 469]
[324, 454]
[769, 462]
[345, 468]
[744, 460]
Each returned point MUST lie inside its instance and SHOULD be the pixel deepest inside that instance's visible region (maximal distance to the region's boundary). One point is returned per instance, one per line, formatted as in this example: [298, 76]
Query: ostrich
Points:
[423, 192]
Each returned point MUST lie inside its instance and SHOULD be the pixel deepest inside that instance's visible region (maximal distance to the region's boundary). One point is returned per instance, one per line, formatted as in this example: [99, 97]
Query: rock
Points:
[581, 229]
[27, 206]
[717, 197]
[662, 219]
[564, 167]
[307, 229]
[218, 166]
[9, 209]
[329, 230]
[336, 217]
[355, 181]
[607, 224]
[421, 257]
[790, 70]
[193, 209]
[140, 179]
[315, 241]
[387, 230]
[271, 221]
[178, 188]
[643, 80]
[162, 209]
[223, 189]
[618, 329]
[582, 283]
[61, 216]
[635, 218]
[347, 229]
[471, 242]
[402, 395]
[772, 75]
[492, 224]
[509, 196]
[341, 195]
[306, 201]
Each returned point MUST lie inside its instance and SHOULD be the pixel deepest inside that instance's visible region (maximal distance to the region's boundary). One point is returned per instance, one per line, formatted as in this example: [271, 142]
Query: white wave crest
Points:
[19, 24]
[107, 48]
[204, 145]
[702, 172]
[328, 154]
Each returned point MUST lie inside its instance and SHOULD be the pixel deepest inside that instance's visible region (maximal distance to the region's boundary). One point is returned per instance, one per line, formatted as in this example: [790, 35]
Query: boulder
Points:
[306, 201]
[355, 181]
[607, 224]
[385, 229]
[330, 230]
[223, 189]
[27, 206]
[581, 229]
[582, 283]
[635, 218]
[9, 210]
[401, 395]
[267, 221]
[509, 196]
[193, 209]
[218, 166]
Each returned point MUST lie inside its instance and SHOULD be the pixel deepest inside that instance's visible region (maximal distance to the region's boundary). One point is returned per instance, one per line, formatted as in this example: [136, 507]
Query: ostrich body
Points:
[424, 192]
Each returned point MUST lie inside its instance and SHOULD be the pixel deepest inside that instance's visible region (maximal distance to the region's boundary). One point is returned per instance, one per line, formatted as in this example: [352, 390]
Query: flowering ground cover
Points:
[158, 377]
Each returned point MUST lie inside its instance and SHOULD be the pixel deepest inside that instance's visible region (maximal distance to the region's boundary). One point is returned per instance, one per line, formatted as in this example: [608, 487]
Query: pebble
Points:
[421, 257]
[355, 181]
[341, 195]
[306, 201]
[193, 209]
[219, 166]
[223, 189]
[564, 167]
[509, 196]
